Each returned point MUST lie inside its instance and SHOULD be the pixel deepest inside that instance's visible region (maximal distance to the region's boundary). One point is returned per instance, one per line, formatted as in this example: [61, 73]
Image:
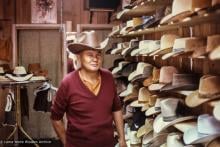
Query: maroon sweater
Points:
[89, 116]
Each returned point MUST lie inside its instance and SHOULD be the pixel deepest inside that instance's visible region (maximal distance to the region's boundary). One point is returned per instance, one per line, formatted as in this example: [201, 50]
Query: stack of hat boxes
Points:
[168, 77]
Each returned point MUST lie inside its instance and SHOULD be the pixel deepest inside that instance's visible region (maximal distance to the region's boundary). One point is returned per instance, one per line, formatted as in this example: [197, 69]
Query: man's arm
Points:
[60, 130]
[117, 116]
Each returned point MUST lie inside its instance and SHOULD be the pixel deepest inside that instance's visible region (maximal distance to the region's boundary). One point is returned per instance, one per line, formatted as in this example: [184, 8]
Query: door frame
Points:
[17, 27]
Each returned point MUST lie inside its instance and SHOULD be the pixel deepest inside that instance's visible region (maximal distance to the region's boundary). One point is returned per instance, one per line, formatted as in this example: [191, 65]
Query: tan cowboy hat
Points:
[152, 79]
[151, 102]
[209, 89]
[215, 54]
[169, 114]
[182, 9]
[19, 74]
[87, 40]
[146, 128]
[166, 77]
[166, 44]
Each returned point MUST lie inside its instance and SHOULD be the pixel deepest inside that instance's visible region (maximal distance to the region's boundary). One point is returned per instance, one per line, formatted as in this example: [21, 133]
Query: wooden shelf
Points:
[191, 22]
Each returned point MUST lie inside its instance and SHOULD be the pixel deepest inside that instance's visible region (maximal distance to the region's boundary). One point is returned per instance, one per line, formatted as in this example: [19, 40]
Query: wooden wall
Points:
[19, 12]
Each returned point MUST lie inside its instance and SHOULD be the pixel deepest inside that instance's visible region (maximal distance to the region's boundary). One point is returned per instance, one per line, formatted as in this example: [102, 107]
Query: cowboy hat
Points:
[143, 97]
[152, 79]
[87, 40]
[209, 89]
[215, 54]
[19, 74]
[155, 109]
[166, 44]
[151, 102]
[182, 9]
[206, 130]
[146, 128]
[166, 77]
[153, 139]
[172, 112]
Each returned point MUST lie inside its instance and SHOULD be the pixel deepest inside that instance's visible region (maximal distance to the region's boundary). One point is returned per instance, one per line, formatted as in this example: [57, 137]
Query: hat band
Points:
[19, 75]
[209, 95]
[178, 50]
[169, 118]
[157, 108]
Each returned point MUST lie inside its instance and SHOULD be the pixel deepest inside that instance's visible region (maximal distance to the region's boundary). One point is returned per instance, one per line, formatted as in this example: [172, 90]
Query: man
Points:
[89, 99]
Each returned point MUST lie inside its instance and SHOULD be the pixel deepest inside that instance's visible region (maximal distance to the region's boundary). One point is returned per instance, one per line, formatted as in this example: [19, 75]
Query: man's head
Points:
[90, 60]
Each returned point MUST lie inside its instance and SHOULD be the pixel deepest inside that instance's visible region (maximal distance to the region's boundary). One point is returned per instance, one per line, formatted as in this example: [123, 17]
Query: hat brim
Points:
[185, 126]
[152, 111]
[145, 129]
[19, 79]
[192, 136]
[215, 54]
[160, 125]
[170, 87]
[216, 111]
[137, 104]
[76, 48]
[194, 99]
[161, 51]
[155, 140]
[169, 55]
[131, 97]
[156, 87]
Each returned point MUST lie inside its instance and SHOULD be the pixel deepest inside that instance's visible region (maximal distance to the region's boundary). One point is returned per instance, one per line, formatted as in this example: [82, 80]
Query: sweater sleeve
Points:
[60, 103]
[116, 101]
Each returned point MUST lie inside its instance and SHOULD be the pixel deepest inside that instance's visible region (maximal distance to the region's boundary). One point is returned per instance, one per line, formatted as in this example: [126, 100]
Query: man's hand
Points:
[122, 143]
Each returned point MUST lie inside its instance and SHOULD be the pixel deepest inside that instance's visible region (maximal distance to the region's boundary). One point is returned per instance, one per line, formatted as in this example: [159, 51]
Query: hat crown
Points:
[144, 44]
[143, 95]
[180, 44]
[166, 74]
[157, 104]
[194, 43]
[208, 124]
[184, 79]
[1, 70]
[212, 42]
[89, 38]
[180, 6]
[19, 70]
[174, 139]
[209, 86]
[167, 41]
[169, 108]
[153, 45]
[156, 74]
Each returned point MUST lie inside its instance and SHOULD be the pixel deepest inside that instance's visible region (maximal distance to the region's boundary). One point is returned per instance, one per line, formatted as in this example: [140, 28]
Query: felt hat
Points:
[171, 113]
[36, 70]
[206, 130]
[213, 42]
[128, 68]
[130, 88]
[209, 89]
[182, 9]
[143, 69]
[166, 44]
[166, 77]
[214, 143]
[215, 54]
[19, 74]
[87, 40]
[182, 82]
[152, 79]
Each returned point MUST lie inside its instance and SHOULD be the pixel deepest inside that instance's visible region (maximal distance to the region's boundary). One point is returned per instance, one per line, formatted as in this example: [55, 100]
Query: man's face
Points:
[90, 60]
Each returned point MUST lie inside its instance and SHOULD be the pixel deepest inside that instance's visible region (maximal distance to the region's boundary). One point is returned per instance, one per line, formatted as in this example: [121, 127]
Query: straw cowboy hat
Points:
[206, 130]
[171, 113]
[129, 90]
[152, 79]
[87, 40]
[132, 46]
[209, 89]
[182, 9]
[143, 98]
[143, 69]
[142, 46]
[153, 139]
[166, 44]
[130, 24]
[19, 74]
[153, 46]
[166, 77]
[146, 128]
[151, 102]
[174, 140]
[182, 82]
